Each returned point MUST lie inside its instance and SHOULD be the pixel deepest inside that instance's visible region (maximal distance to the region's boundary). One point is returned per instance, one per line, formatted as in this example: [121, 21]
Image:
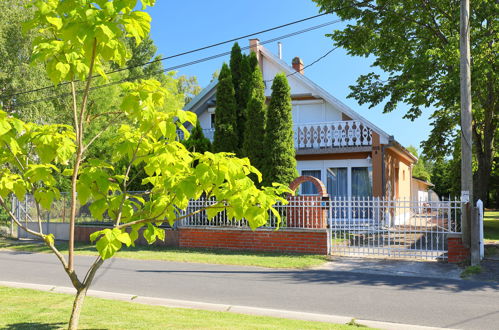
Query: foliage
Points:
[239, 71]
[446, 174]
[226, 137]
[189, 87]
[419, 171]
[254, 139]
[16, 73]
[280, 162]
[76, 42]
[416, 45]
[197, 141]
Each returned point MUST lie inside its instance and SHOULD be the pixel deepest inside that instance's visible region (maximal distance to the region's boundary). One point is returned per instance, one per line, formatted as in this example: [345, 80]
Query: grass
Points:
[260, 259]
[491, 226]
[30, 309]
[471, 270]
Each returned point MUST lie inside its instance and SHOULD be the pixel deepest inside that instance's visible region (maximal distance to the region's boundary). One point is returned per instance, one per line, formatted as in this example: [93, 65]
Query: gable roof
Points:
[198, 103]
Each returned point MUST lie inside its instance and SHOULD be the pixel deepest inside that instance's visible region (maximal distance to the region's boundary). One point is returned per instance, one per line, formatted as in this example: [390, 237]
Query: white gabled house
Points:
[351, 155]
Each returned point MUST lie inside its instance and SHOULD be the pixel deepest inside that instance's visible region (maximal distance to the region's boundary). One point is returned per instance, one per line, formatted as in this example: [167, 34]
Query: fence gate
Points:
[392, 229]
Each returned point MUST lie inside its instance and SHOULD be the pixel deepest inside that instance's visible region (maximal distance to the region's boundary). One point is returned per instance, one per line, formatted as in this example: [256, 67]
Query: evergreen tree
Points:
[197, 142]
[239, 68]
[254, 134]
[226, 138]
[280, 162]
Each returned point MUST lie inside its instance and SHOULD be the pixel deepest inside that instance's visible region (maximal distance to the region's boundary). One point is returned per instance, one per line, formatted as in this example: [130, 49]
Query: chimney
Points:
[255, 48]
[298, 65]
[279, 50]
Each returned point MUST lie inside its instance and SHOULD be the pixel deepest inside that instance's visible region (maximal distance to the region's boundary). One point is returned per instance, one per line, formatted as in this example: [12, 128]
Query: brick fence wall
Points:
[284, 240]
[82, 234]
[456, 251]
[313, 241]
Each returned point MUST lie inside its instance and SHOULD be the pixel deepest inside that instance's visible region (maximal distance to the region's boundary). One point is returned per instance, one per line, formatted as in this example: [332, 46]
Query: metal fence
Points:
[398, 229]
[359, 226]
[356, 226]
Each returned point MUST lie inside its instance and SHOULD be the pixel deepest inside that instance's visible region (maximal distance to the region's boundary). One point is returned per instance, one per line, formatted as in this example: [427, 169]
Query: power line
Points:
[192, 63]
[183, 53]
[307, 66]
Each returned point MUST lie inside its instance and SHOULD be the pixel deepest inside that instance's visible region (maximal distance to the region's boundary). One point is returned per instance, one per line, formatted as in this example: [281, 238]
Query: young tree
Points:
[254, 134]
[77, 41]
[226, 138]
[197, 141]
[280, 162]
[417, 44]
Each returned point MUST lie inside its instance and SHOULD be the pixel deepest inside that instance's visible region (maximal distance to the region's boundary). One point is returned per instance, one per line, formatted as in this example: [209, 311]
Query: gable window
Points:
[212, 118]
[308, 188]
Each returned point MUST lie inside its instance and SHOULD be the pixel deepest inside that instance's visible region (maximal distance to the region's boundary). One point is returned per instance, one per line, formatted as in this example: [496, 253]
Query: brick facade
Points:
[82, 234]
[457, 252]
[284, 240]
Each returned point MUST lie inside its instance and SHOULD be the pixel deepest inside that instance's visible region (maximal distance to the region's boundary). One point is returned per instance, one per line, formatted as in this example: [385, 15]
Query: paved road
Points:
[411, 300]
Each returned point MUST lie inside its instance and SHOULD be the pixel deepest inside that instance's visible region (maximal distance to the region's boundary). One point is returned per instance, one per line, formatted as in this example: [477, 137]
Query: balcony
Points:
[209, 133]
[331, 135]
[323, 136]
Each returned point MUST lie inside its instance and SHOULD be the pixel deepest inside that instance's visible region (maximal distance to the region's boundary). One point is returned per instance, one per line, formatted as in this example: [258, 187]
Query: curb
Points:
[176, 303]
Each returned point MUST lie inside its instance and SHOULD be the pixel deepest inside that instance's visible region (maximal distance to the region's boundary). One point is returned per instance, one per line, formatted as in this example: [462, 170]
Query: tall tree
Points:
[226, 137]
[254, 134]
[239, 69]
[280, 161]
[16, 73]
[416, 43]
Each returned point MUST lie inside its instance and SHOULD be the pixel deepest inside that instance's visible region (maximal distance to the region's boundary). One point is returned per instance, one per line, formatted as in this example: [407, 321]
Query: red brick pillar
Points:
[307, 211]
[456, 251]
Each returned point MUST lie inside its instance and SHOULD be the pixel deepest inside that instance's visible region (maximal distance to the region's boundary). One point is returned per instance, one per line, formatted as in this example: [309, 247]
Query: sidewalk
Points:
[394, 267]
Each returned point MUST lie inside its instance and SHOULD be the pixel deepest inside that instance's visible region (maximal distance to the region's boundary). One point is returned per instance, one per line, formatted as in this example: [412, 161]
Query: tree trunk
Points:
[77, 306]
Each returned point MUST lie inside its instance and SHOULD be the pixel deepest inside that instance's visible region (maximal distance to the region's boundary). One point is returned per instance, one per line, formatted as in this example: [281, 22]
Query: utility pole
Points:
[466, 138]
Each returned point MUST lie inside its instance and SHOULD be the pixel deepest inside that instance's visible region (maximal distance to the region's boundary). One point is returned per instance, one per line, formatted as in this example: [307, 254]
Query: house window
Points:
[337, 182]
[308, 188]
[362, 181]
[212, 117]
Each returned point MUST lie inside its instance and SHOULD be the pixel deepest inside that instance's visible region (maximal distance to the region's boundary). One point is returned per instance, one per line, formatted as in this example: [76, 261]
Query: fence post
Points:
[479, 205]
[475, 236]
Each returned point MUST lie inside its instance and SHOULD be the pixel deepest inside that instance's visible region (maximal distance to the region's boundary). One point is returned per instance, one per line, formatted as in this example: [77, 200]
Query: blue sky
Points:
[179, 26]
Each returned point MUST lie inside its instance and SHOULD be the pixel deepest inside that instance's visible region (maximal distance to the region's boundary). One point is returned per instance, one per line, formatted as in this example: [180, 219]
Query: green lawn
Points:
[491, 226]
[30, 309]
[261, 259]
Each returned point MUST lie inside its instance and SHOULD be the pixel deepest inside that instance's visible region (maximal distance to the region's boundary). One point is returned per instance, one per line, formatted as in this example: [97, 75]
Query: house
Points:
[351, 155]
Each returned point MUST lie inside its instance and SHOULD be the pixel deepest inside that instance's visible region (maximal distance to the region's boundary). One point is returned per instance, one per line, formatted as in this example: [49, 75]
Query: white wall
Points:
[205, 120]
[314, 111]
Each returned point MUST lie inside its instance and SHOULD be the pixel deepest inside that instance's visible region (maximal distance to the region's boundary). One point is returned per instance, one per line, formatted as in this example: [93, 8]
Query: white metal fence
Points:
[356, 226]
[360, 226]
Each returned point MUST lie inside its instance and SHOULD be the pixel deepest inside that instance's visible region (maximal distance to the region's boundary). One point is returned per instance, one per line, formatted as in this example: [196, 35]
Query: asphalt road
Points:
[411, 300]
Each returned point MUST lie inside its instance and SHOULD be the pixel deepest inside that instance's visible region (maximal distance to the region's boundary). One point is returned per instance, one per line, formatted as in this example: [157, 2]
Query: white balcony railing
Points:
[334, 134]
[209, 133]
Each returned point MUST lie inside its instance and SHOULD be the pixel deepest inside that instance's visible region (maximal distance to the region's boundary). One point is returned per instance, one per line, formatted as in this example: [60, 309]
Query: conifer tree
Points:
[239, 70]
[280, 162]
[254, 134]
[226, 138]
[197, 142]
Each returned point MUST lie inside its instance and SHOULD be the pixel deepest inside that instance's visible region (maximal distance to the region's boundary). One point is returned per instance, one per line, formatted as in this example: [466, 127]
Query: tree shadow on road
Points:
[347, 277]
